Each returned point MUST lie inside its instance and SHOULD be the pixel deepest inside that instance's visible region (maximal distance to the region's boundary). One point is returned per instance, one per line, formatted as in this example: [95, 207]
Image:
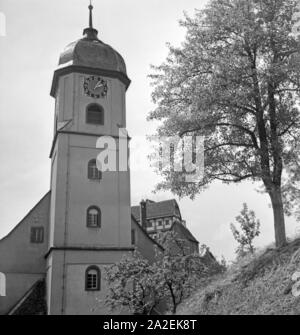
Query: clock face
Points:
[95, 87]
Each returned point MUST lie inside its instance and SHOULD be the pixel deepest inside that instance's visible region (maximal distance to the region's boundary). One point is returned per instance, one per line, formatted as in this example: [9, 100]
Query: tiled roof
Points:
[33, 302]
[158, 209]
[186, 232]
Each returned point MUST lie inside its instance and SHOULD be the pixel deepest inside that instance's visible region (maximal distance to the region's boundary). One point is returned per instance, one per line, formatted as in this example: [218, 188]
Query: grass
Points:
[259, 285]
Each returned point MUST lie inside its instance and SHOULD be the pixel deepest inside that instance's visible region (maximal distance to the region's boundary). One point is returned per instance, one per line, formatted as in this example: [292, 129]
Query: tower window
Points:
[92, 279]
[93, 217]
[95, 114]
[93, 172]
[37, 235]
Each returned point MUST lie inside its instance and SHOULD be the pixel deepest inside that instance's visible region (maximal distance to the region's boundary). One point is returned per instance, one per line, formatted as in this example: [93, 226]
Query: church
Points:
[53, 261]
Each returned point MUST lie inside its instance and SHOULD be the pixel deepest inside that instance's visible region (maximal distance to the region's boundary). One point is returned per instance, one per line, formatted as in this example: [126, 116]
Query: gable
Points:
[167, 208]
[17, 252]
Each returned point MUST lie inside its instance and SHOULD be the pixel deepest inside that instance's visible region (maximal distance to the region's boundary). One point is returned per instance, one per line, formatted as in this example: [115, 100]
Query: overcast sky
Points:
[37, 31]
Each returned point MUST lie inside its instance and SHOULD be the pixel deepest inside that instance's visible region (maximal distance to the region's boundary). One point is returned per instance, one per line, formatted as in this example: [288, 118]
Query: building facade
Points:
[161, 217]
[53, 261]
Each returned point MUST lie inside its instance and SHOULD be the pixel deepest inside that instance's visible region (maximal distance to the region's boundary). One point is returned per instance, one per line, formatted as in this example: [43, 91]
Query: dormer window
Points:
[95, 114]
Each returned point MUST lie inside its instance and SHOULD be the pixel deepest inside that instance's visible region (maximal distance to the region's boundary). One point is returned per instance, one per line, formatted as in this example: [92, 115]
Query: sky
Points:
[36, 32]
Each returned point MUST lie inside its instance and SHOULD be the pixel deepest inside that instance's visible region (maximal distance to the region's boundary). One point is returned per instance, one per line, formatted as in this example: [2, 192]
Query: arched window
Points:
[93, 217]
[95, 114]
[2, 285]
[92, 278]
[93, 172]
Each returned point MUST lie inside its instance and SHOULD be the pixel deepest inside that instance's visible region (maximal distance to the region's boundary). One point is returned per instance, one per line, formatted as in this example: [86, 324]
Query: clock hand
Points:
[99, 84]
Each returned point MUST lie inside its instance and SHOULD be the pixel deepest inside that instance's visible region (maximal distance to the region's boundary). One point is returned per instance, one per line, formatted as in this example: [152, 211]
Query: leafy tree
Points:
[291, 186]
[180, 272]
[250, 228]
[133, 285]
[136, 284]
[235, 81]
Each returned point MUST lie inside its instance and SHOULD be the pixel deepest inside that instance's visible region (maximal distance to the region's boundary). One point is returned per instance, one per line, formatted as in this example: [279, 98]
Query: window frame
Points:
[98, 220]
[168, 223]
[88, 118]
[160, 224]
[149, 224]
[37, 239]
[91, 164]
[98, 286]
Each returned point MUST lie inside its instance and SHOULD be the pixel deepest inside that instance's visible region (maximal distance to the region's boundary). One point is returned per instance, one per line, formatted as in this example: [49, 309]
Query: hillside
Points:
[262, 285]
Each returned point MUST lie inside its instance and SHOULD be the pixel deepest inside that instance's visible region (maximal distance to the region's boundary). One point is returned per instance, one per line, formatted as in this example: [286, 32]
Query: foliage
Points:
[223, 263]
[250, 228]
[133, 285]
[291, 186]
[179, 270]
[234, 80]
[140, 286]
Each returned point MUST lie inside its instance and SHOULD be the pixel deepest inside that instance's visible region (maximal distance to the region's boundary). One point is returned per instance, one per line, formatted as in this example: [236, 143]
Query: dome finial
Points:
[90, 32]
[91, 14]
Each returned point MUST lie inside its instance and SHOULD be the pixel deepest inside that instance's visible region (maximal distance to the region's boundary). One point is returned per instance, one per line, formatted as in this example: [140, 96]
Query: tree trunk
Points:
[174, 307]
[279, 224]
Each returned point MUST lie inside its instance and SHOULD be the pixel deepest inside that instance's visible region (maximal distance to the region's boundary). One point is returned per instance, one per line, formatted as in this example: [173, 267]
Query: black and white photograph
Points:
[150, 157]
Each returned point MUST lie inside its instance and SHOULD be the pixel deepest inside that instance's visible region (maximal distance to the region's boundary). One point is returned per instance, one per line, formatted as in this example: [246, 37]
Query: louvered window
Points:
[95, 114]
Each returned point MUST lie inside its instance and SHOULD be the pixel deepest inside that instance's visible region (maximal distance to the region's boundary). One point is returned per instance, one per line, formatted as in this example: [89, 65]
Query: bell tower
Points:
[90, 216]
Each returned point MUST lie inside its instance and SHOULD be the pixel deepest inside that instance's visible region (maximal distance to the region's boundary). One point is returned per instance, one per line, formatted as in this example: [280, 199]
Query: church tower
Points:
[90, 218]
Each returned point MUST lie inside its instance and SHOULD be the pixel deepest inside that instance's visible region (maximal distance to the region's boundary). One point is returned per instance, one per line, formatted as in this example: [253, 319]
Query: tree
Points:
[234, 80]
[180, 272]
[136, 284]
[250, 228]
[133, 285]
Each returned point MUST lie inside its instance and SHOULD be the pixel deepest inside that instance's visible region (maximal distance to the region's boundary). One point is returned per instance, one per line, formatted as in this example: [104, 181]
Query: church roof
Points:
[33, 302]
[93, 53]
[90, 55]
